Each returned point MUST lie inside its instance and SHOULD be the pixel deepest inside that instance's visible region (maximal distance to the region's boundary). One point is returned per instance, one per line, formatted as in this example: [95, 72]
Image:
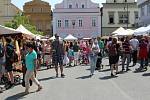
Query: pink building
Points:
[81, 18]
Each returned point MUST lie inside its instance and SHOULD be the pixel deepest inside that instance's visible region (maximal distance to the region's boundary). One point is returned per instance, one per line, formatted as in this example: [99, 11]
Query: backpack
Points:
[1, 51]
[112, 49]
[11, 54]
[101, 44]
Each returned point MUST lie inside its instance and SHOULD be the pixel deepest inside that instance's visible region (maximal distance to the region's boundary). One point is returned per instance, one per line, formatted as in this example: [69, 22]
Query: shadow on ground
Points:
[17, 96]
[146, 74]
[84, 77]
[107, 77]
[105, 70]
[48, 78]
[139, 71]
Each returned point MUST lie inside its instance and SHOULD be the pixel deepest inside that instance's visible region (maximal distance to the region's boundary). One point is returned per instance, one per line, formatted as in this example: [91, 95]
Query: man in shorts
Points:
[57, 55]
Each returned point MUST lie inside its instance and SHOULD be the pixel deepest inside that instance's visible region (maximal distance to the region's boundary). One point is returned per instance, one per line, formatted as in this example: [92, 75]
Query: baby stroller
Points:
[99, 65]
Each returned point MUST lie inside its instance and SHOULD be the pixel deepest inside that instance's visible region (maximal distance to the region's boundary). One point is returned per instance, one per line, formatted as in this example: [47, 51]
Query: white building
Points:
[119, 13]
[144, 12]
[81, 18]
[7, 11]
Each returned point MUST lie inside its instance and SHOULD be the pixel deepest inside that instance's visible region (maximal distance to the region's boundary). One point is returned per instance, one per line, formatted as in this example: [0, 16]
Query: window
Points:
[80, 23]
[114, 1]
[123, 18]
[59, 24]
[82, 5]
[70, 6]
[94, 22]
[125, 0]
[111, 17]
[66, 23]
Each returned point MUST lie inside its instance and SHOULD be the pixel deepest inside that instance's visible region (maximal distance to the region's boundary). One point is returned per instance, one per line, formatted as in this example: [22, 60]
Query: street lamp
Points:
[127, 7]
[73, 23]
[101, 12]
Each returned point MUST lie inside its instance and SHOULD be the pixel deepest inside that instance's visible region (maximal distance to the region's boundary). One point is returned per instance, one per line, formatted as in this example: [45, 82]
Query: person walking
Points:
[143, 54]
[93, 55]
[31, 65]
[113, 48]
[76, 53]
[71, 56]
[134, 45]
[100, 54]
[126, 53]
[58, 55]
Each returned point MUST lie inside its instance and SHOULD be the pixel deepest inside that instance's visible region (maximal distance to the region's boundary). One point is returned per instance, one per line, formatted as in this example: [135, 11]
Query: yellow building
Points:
[7, 11]
[39, 14]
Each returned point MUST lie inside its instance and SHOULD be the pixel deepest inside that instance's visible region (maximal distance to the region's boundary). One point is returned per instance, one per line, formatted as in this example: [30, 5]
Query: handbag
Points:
[23, 83]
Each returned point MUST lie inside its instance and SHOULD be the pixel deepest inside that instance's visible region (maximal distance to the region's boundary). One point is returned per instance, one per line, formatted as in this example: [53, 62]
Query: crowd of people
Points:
[58, 53]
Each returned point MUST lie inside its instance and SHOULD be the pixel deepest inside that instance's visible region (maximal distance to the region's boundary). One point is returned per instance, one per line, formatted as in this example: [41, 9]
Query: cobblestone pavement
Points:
[79, 86]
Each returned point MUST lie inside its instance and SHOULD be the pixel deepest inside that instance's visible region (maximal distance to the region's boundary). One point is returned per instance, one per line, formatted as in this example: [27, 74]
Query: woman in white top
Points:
[93, 55]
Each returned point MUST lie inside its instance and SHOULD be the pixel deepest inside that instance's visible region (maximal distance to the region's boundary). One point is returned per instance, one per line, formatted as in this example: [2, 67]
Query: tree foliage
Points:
[21, 19]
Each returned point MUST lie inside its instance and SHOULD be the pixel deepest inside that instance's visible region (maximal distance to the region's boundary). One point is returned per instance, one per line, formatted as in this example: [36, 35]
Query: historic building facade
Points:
[40, 15]
[119, 13]
[7, 11]
[144, 12]
[81, 18]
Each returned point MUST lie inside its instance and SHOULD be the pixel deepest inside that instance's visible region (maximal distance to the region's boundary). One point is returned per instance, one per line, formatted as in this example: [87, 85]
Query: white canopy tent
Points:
[118, 31]
[23, 30]
[141, 31]
[40, 37]
[125, 33]
[5, 30]
[70, 37]
[148, 28]
[87, 38]
[53, 38]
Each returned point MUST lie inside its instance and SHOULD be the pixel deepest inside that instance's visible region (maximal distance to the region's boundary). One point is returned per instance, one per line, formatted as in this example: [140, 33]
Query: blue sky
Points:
[20, 3]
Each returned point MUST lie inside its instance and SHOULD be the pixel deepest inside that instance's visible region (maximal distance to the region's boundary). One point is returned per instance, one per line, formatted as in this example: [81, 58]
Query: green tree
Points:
[21, 19]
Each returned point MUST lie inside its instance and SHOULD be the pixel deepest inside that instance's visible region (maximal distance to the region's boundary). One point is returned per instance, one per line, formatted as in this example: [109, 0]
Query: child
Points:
[70, 55]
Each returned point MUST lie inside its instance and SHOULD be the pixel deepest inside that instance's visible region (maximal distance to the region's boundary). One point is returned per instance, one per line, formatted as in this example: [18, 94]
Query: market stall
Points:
[70, 38]
[5, 31]
[53, 38]
[141, 31]
[25, 32]
[127, 32]
[118, 31]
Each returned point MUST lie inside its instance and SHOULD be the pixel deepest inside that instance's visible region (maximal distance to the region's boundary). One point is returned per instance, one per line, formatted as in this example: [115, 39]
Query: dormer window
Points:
[82, 5]
[70, 6]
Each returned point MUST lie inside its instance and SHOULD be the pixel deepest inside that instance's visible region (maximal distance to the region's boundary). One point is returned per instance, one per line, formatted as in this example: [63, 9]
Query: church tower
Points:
[39, 13]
